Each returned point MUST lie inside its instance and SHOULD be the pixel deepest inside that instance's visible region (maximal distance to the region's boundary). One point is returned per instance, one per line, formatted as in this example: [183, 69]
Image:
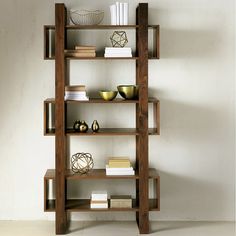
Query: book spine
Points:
[99, 197]
[126, 13]
[121, 13]
[85, 47]
[113, 14]
[117, 13]
[119, 168]
[118, 55]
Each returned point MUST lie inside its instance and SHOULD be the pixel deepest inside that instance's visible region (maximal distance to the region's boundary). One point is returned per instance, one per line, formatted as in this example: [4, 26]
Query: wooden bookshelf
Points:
[61, 175]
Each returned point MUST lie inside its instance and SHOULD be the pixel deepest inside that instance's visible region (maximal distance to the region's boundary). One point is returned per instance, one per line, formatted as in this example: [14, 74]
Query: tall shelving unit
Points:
[141, 204]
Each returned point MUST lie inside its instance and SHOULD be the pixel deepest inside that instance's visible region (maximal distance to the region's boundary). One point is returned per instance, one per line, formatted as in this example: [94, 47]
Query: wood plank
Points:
[60, 138]
[156, 116]
[100, 26]
[104, 132]
[83, 205]
[100, 100]
[98, 174]
[142, 117]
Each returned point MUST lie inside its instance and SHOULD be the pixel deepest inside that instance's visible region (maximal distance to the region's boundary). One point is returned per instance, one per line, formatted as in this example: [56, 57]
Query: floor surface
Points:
[128, 228]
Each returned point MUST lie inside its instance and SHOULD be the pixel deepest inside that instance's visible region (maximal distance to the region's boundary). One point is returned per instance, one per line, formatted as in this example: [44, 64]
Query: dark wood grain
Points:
[98, 174]
[156, 116]
[100, 100]
[83, 205]
[142, 117]
[45, 42]
[60, 138]
[104, 132]
[74, 27]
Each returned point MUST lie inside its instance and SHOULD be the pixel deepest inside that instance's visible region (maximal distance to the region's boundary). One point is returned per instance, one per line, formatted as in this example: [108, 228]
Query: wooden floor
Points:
[128, 228]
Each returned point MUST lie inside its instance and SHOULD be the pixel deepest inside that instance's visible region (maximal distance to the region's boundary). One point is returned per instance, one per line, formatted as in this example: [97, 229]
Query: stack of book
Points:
[119, 13]
[119, 166]
[76, 92]
[82, 51]
[121, 201]
[99, 200]
[118, 52]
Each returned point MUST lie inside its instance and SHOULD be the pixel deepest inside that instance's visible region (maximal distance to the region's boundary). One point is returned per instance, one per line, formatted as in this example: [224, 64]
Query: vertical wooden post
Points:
[142, 117]
[60, 132]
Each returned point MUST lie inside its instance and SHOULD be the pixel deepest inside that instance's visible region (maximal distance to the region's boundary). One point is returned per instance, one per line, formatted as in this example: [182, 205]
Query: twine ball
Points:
[82, 163]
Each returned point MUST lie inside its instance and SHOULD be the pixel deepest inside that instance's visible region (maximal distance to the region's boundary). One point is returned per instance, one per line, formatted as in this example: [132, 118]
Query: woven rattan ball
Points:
[82, 163]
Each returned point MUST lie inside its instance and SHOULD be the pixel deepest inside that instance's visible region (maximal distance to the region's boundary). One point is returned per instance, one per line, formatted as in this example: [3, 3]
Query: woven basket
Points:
[86, 17]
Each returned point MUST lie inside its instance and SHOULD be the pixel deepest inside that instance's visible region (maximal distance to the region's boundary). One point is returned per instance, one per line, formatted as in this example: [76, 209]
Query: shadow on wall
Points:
[189, 41]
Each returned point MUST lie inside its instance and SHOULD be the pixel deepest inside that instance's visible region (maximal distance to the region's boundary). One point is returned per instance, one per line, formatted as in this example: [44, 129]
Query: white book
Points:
[126, 13]
[75, 93]
[118, 55]
[117, 13]
[121, 13]
[119, 172]
[119, 168]
[99, 196]
[118, 50]
[76, 98]
[113, 14]
[98, 206]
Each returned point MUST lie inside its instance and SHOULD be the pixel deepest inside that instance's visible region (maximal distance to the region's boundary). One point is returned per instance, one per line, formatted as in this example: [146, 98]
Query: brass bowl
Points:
[108, 95]
[128, 91]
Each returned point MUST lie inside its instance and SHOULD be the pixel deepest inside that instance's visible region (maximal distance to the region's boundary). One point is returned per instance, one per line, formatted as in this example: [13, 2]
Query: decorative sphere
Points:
[82, 163]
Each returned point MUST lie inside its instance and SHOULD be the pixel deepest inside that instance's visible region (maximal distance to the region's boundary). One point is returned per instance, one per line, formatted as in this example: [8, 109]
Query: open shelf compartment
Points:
[49, 40]
[83, 205]
[49, 120]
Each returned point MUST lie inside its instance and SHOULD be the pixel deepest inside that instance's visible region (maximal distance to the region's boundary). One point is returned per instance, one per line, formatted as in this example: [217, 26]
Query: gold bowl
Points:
[108, 95]
[128, 91]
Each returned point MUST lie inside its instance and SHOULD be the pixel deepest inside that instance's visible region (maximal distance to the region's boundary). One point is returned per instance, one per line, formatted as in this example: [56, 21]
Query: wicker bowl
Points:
[86, 17]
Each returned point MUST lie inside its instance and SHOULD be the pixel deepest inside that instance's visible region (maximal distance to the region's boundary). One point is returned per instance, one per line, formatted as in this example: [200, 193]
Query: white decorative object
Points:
[126, 13]
[119, 13]
[113, 14]
[86, 17]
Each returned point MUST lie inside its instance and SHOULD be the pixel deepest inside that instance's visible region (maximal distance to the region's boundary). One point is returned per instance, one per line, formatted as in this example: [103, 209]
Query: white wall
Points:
[194, 80]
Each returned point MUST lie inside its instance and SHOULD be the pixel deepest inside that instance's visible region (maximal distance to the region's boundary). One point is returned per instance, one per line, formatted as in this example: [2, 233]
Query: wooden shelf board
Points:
[100, 58]
[74, 27]
[99, 174]
[104, 132]
[100, 100]
[83, 205]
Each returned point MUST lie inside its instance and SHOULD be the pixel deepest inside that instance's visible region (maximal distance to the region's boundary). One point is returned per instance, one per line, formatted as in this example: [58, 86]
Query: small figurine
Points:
[77, 125]
[83, 127]
[95, 126]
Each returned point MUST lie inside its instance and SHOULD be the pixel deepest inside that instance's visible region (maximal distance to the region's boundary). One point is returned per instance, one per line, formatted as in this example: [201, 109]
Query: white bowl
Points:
[86, 17]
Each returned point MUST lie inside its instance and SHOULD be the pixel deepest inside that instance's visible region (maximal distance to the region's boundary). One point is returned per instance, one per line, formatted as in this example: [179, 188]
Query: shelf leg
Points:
[60, 137]
[142, 116]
